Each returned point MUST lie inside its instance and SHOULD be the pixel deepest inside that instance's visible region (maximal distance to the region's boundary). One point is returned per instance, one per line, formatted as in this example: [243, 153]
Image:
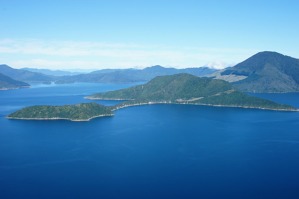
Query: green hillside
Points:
[189, 89]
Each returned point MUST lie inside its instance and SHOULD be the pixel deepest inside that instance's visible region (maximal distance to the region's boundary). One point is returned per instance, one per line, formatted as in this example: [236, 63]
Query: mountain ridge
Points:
[9, 83]
[100, 76]
[25, 76]
[267, 72]
[133, 75]
[264, 72]
[51, 72]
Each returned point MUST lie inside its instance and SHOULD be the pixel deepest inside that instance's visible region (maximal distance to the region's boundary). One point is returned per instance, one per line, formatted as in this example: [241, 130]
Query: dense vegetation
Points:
[239, 99]
[173, 87]
[78, 112]
[188, 89]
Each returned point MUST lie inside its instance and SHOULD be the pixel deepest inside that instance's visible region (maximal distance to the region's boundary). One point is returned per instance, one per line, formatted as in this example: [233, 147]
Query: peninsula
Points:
[188, 89]
[77, 112]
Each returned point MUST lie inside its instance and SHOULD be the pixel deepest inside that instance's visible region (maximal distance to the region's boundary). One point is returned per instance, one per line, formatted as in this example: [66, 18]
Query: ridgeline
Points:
[267, 72]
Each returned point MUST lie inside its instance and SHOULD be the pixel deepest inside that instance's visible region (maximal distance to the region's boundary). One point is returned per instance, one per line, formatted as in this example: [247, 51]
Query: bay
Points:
[153, 151]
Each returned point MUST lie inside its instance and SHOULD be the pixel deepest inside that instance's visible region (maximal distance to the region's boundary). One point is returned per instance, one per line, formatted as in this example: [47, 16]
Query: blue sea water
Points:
[154, 151]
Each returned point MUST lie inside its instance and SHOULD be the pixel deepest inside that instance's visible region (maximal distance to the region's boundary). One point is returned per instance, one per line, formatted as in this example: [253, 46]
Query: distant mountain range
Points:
[266, 72]
[132, 75]
[32, 76]
[9, 83]
[51, 72]
[263, 72]
[25, 76]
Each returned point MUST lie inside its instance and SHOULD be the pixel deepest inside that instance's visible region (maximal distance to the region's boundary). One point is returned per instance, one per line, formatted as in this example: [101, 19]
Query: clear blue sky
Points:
[121, 34]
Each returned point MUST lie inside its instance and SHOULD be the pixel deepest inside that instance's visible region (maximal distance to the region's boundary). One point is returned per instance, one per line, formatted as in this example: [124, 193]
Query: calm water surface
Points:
[155, 151]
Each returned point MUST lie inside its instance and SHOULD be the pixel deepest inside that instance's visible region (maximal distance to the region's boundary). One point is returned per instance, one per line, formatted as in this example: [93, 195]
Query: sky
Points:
[98, 34]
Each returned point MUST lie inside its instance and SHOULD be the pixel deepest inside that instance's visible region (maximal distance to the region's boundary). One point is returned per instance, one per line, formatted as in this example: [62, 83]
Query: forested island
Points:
[77, 112]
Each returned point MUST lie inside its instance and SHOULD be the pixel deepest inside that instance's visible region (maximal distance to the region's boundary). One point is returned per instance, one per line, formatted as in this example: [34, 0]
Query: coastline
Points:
[201, 104]
[58, 118]
[125, 105]
[111, 99]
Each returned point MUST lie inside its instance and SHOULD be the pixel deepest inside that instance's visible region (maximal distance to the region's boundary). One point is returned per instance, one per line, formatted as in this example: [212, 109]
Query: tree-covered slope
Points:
[78, 112]
[171, 87]
[267, 72]
[189, 89]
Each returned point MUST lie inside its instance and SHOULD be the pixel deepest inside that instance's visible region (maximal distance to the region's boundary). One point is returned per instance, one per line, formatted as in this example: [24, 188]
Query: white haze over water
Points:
[66, 55]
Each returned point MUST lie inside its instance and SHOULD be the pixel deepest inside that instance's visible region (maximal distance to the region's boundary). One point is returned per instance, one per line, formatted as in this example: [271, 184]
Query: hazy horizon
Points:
[87, 70]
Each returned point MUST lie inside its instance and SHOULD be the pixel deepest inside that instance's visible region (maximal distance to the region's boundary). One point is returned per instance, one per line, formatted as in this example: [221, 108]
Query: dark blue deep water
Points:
[155, 151]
